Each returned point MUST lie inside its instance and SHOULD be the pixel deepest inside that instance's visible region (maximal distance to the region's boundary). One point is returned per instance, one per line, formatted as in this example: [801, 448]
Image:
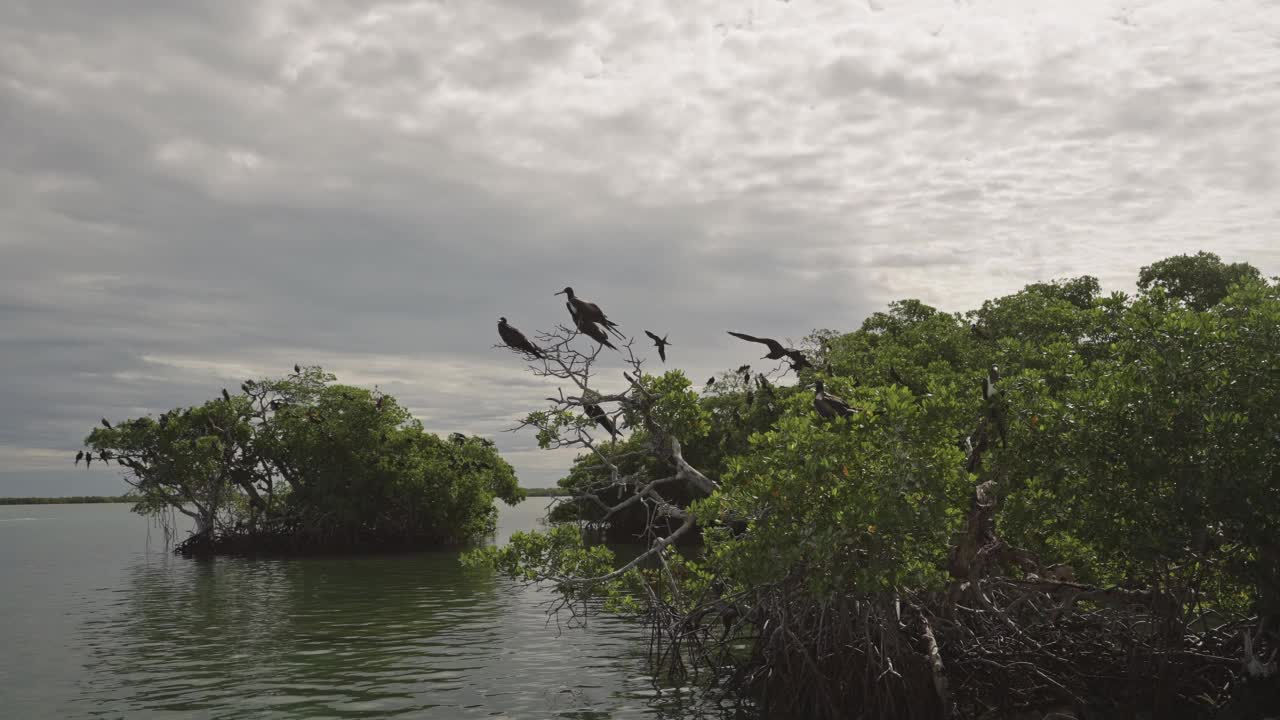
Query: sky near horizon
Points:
[192, 194]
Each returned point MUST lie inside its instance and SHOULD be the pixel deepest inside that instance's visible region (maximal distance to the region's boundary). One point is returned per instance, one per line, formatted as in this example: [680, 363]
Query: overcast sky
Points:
[196, 193]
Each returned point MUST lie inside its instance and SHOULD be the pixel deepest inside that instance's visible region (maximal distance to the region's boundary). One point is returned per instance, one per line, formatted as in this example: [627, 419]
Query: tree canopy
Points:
[303, 462]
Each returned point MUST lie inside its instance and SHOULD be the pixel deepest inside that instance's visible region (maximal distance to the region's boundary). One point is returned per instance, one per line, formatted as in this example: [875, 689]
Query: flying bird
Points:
[601, 418]
[589, 311]
[661, 343]
[516, 340]
[777, 351]
[829, 406]
[590, 329]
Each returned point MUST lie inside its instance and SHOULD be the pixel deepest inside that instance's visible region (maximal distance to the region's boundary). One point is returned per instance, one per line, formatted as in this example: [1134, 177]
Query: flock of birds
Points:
[591, 321]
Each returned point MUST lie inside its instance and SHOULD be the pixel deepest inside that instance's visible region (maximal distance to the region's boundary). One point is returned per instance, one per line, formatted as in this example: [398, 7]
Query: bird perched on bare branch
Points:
[589, 312]
[601, 418]
[661, 343]
[516, 340]
[590, 329]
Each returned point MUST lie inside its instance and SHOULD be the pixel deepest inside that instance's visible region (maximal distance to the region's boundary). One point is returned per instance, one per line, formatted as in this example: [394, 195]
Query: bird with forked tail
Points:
[661, 343]
[590, 312]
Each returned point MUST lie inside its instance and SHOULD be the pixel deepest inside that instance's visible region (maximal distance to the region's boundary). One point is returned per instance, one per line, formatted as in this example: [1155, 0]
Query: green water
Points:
[98, 620]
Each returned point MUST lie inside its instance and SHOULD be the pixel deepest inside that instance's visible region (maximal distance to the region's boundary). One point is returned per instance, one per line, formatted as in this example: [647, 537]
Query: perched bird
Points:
[829, 406]
[711, 381]
[106, 424]
[763, 382]
[661, 343]
[590, 329]
[79, 456]
[226, 395]
[378, 405]
[516, 340]
[88, 459]
[601, 418]
[297, 368]
[989, 390]
[916, 390]
[995, 409]
[246, 387]
[589, 311]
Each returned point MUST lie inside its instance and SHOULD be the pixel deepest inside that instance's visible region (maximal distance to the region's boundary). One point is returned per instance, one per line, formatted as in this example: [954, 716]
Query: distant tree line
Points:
[68, 500]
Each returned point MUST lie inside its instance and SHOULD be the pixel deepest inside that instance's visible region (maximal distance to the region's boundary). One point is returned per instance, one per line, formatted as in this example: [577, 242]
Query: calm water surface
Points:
[98, 620]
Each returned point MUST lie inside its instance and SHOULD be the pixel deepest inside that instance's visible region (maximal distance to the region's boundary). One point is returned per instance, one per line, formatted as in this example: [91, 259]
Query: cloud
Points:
[194, 195]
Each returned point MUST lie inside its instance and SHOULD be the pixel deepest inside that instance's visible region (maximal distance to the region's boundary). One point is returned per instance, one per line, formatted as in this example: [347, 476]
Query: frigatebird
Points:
[763, 382]
[106, 424]
[601, 418]
[589, 311]
[88, 459]
[995, 409]
[297, 368]
[899, 380]
[515, 339]
[776, 351]
[711, 381]
[829, 406]
[989, 383]
[590, 329]
[661, 342]
[226, 395]
[79, 457]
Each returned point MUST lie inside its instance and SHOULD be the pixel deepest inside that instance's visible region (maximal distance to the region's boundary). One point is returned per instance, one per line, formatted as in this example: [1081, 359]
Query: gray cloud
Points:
[193, 194]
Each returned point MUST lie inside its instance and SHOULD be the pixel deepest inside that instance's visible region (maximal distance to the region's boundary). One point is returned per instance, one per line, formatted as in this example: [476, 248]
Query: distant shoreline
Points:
[69, 500]
[91, 499]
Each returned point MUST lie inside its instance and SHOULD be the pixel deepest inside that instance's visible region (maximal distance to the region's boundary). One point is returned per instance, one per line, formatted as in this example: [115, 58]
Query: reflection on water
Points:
[382, 636]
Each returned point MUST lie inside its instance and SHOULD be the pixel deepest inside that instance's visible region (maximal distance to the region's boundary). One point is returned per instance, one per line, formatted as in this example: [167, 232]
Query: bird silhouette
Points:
[589, 328]
[589, 311]
[515, 339]
[661, 343]
[79, 456]
[106, 424]
[88, 459]
[601, 418]
[226, 395]
[995, 408]
[297, 368]
[777, 351]
[711, 381]
[827, 405]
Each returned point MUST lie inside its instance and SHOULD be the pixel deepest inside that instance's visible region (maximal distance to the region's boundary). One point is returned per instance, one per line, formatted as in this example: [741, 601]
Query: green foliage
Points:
[303, 457]
[1201, 280]
[1142, 445]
